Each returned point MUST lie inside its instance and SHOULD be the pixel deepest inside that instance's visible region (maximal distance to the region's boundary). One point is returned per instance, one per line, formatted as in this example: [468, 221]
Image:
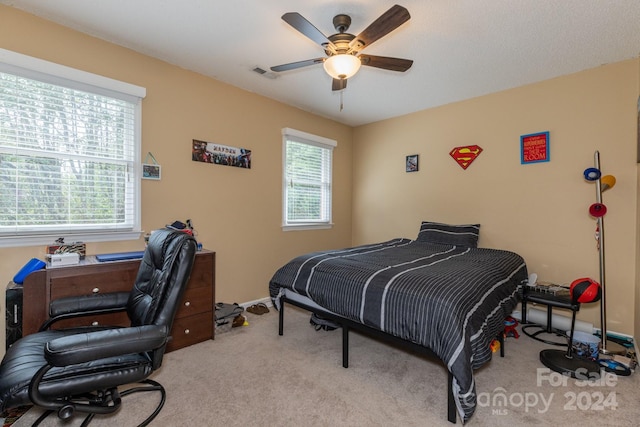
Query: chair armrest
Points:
[88, 303]
[83, 305]
[80, 348]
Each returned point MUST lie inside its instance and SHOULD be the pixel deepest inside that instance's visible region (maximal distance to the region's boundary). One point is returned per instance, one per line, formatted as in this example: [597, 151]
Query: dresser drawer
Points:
[108, 280]
[191, 330]
[111, 319]
[202, 274]
[196, 300]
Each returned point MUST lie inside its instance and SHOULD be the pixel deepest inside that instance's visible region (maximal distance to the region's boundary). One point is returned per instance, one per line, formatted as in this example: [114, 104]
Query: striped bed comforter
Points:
[451, 299]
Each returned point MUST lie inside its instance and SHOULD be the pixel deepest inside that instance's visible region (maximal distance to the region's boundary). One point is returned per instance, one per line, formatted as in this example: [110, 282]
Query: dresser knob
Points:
[186, 331]
[95, 290]
[94, 323]
[187, 304]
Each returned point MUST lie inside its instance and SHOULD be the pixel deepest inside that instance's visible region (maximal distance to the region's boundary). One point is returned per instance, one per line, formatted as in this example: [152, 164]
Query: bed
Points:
[439, 293]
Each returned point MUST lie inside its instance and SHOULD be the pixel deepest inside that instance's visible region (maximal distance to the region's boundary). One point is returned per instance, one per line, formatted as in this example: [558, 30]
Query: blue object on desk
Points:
[32, 265]
[120, 256]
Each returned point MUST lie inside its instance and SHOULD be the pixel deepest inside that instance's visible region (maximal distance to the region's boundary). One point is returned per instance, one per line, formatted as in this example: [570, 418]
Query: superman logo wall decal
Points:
[464, 156]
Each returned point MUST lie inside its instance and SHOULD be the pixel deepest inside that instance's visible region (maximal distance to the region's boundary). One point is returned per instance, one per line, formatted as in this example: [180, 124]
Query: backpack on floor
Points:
[225, 313]
[320, 322]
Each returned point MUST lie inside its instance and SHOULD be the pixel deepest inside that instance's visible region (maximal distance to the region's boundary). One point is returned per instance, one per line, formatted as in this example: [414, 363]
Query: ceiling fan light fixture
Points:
[342, 66]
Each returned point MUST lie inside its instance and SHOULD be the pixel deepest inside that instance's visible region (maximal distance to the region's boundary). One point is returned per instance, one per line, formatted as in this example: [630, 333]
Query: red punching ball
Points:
[585, 290]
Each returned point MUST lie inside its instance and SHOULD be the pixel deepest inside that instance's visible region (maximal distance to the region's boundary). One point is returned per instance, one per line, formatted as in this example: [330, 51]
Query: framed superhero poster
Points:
[210, 152]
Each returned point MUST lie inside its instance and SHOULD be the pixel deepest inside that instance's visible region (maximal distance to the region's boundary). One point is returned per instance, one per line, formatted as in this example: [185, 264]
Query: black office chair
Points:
[80, 369]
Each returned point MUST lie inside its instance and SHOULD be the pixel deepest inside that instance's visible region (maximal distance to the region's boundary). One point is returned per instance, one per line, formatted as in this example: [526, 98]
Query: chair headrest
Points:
[162, 244]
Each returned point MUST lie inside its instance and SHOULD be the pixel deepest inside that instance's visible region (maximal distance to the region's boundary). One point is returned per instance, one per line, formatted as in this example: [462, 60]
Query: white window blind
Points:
[307, 180]
[69, 154]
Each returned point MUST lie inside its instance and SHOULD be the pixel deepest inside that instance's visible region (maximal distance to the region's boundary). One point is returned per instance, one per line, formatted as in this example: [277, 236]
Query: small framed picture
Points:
[412, 163]
[150, 171]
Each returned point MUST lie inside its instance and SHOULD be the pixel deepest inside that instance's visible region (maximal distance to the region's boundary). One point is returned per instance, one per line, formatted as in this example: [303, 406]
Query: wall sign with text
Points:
[534, 148]
[210, 152]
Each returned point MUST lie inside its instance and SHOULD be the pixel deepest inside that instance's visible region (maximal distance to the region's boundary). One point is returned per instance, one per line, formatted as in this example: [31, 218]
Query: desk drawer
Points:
[103, 282]
[196, 300]
[202, 274]
[191, 330]
[112, 319]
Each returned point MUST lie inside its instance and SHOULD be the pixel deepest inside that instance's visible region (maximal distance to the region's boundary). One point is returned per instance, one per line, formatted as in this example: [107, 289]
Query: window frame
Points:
[49, 72]
[317, 141]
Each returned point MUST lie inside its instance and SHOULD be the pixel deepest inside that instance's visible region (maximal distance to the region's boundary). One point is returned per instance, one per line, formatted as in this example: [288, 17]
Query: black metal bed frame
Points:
[347, 324]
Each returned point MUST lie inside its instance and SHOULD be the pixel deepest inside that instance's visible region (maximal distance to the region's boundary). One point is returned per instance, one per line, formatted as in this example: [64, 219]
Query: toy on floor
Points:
[495, 346]
[510, 330]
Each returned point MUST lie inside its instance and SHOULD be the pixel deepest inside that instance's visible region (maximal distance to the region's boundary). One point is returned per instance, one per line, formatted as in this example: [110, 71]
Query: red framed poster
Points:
[534, 148]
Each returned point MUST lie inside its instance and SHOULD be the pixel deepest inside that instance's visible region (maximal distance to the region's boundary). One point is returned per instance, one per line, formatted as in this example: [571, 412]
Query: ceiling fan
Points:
[343, 58]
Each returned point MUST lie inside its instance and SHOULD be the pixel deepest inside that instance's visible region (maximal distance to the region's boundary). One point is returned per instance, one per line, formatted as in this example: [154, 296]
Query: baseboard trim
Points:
[266, 301]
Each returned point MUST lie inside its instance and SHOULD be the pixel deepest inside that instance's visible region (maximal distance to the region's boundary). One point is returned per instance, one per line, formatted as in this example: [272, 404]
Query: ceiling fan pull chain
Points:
[341, 104]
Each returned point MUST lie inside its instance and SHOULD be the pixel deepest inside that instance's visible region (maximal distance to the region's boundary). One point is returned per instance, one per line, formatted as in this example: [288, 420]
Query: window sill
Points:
[302, 227]
[12, 242]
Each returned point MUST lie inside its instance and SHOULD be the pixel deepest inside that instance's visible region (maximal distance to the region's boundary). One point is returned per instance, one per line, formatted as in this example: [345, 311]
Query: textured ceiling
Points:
[461, 48]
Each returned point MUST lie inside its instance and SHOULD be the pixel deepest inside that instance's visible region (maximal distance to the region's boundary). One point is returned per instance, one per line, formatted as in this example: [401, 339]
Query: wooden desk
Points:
[193, 322]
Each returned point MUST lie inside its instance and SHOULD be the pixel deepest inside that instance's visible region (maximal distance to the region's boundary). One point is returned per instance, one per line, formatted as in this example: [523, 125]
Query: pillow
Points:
[448, 234]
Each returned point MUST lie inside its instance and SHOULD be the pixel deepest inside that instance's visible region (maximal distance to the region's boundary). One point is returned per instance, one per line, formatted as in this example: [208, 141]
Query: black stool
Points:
[550, 300]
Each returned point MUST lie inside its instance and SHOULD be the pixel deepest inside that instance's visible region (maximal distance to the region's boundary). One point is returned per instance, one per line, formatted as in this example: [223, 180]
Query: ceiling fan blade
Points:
[301, 24]
[387, 22]
[393, 64]
[299, 64]
[339, 84]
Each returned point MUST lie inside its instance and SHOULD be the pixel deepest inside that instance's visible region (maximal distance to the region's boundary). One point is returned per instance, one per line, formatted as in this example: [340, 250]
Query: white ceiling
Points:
[461, 48]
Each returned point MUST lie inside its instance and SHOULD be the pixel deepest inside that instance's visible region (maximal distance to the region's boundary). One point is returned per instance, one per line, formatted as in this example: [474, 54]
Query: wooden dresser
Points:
[194, 320]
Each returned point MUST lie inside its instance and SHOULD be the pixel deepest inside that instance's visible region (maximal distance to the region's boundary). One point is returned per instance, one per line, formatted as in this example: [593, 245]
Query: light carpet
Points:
[250, 376]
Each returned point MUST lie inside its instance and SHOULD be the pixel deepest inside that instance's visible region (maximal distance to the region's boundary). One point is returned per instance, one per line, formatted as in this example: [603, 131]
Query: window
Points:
[69, 154]
[306, 180]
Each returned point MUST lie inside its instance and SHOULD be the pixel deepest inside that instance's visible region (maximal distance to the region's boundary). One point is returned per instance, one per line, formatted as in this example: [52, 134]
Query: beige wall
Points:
[236, 212]
[538, 210]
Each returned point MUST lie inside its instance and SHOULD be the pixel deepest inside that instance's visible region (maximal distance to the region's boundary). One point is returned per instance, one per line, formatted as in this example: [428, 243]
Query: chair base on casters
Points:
[107, 403]
[582, 369]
